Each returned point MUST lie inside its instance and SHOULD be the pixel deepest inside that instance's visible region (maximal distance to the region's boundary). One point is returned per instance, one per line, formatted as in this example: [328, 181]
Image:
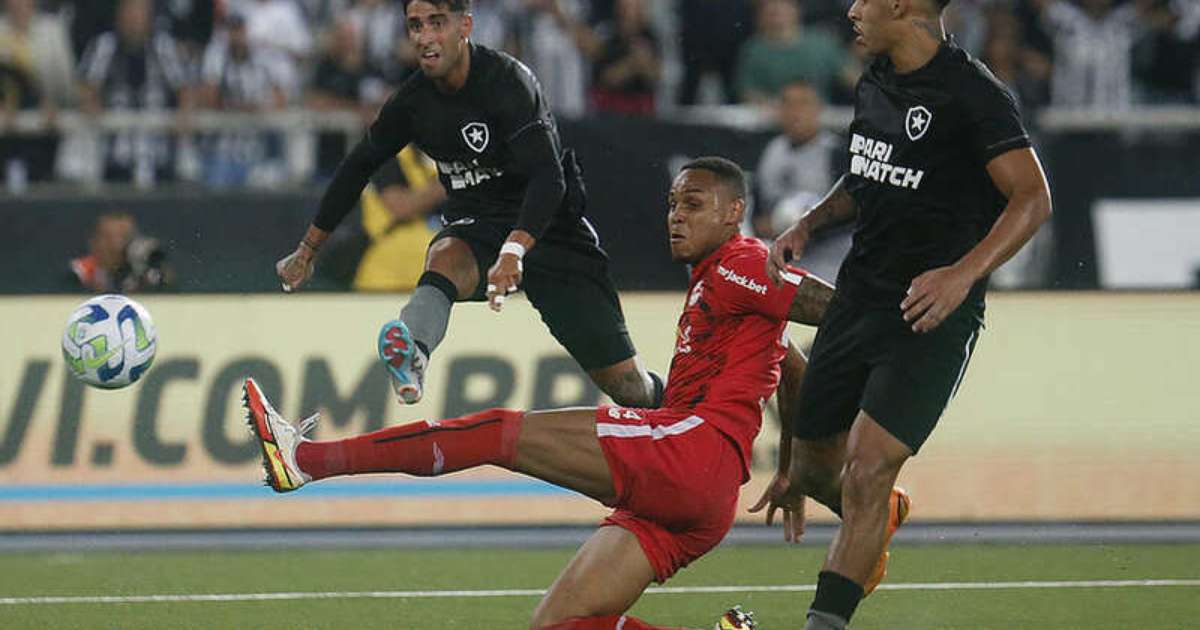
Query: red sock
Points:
[606, 623]
[427, 448]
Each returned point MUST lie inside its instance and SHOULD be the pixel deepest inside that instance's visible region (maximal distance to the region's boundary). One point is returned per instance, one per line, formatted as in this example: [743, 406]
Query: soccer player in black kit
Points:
[944, 188]
[515, 200]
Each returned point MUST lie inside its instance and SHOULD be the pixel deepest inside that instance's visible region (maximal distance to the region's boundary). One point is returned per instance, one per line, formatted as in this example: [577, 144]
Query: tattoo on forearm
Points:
[812, 298]
[836, 208]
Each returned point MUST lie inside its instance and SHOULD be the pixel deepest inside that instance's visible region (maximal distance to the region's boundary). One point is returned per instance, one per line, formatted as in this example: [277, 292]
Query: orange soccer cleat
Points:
[898, 507]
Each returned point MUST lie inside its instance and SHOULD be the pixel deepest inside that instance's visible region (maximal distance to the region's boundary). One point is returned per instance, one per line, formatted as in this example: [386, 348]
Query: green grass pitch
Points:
[318, 571]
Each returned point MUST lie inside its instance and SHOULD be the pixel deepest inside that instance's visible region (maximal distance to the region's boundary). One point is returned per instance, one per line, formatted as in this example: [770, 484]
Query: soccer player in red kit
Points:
[671, 474]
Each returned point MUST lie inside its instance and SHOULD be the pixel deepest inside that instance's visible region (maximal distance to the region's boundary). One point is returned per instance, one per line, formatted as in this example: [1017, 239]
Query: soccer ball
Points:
[109, 341]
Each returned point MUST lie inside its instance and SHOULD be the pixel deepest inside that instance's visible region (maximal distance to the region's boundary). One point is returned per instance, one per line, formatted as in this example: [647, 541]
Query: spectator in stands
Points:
[1025, 69]
[783, 51]
[88, 19]
[379, 25]
[278, 28]
[191, 23]
[343, 79]
[795, 171]
[1093, 42]
[119, 259]
[137, 69]
[711, 33]
[540, 34]
[237, 77]
[396, 207]
[626, 63]
[493, 22]
[343, 82]
[1165, 56]
[34, 49]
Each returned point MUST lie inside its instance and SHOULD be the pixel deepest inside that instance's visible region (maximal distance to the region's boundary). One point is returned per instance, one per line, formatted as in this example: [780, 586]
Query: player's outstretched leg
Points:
[277, 438]
[405, 344]
[404, 361]
[560, 447]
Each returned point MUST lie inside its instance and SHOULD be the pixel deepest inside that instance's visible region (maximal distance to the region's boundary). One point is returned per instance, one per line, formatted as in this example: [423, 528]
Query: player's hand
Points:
[295, 269]
[503, 279]
[933, 295]
[788, 247]
[779, 495]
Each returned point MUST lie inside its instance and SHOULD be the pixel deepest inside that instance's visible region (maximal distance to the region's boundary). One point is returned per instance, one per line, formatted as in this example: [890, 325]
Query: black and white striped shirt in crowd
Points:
[1092, 56]
[245, 82]
[146, 78]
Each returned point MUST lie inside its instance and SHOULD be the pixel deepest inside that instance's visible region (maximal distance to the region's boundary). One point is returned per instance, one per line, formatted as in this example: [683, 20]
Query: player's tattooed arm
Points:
[811, 300]
[835, 208]
[782, 494]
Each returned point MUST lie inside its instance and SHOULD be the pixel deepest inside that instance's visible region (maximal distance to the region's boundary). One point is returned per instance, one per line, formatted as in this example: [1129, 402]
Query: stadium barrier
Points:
[1143, 156]
[1076, 406]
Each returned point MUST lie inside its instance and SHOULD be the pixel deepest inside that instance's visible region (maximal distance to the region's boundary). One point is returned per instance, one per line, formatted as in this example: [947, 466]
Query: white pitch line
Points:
[533, 592]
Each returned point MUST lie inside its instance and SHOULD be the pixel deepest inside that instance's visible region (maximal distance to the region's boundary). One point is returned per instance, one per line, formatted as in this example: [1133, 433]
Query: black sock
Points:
[837, 595]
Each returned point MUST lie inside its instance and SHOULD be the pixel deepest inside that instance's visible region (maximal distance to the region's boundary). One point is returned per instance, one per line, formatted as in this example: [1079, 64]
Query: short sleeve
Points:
[518, 102]
[742, 286]
[993, 118]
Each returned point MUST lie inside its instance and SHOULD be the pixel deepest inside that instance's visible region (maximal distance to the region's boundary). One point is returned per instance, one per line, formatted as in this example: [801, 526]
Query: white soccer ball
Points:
[109, 341]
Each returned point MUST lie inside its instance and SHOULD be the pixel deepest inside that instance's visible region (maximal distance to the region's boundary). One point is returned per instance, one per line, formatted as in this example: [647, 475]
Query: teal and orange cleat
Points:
[404, 361]
[899, 505]
[277, 438]
[736, 619]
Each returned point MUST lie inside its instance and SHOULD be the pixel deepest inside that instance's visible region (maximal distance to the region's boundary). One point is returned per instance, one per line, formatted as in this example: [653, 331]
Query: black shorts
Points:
[870, 359]
[566, 279]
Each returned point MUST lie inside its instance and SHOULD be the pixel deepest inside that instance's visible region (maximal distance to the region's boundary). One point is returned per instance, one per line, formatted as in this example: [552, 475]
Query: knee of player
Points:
[866, 471]
[631, 389]
[549, 616]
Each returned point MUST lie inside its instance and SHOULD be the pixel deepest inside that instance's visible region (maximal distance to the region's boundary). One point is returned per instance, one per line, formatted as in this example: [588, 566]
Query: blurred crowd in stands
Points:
[592, 56]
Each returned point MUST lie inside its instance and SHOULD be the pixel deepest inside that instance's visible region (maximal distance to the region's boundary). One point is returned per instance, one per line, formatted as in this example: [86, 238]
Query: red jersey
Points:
[730, 341]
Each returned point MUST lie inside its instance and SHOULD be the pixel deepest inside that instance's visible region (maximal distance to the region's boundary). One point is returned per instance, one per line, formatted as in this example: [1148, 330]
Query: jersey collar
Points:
[703, 266]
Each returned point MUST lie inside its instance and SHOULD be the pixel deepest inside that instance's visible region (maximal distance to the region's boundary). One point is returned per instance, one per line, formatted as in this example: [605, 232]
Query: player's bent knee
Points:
[453, 259]
[865, 476]
[627, 385]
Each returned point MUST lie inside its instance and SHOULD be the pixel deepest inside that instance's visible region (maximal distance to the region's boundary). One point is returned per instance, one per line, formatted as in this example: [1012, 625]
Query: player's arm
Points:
[811, 300]
[780, 494]
[936, 293]
[836, 208]
[383, 140]
[535, 155]
[525, 124]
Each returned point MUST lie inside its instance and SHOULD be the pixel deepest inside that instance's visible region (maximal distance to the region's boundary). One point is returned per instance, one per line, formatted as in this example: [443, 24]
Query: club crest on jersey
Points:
[917, 122]
[476, 135]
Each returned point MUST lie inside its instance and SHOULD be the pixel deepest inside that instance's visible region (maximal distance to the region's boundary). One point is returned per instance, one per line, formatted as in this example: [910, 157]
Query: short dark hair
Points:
[727, 172]
[457, 6]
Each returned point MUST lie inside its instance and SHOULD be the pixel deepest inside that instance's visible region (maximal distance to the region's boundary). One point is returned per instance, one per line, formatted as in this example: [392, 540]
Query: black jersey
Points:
[919, 146]
[491, 140]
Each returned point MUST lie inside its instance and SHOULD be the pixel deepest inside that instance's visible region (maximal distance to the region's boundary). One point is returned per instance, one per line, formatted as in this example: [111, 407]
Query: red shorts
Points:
[677, 479]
